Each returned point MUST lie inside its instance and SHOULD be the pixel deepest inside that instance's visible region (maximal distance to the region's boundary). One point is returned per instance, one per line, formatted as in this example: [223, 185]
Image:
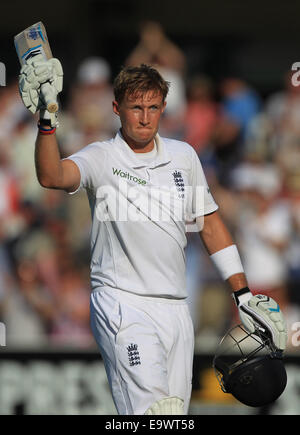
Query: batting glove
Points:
[261, 313]
[40, 80]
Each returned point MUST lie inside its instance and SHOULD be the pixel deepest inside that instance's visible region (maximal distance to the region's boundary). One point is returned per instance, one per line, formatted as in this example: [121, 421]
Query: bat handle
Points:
[49, 97]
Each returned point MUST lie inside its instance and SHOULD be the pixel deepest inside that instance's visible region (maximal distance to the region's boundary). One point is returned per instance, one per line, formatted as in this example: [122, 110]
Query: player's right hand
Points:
[34, 74]
[261, 313]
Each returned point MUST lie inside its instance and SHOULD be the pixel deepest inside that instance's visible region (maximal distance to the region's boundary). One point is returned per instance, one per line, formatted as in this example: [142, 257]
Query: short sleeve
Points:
[202, 200]
[91, 163]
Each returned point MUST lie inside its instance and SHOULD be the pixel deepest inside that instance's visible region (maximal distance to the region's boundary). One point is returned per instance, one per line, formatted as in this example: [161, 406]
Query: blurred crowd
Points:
[249, 147]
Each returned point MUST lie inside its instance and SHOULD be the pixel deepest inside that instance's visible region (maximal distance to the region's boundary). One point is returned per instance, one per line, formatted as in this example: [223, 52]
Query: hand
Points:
[40, 81]
[261, 313]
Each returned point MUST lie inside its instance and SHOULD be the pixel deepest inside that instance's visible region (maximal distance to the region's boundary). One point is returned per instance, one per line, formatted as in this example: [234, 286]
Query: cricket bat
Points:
[31, 42]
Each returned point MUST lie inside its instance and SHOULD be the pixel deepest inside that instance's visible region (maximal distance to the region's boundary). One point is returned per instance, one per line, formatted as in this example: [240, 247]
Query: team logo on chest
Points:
[133, 355]
[179, 183]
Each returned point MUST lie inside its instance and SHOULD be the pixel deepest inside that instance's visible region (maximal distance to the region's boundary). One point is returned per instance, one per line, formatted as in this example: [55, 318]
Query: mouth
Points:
[144, 132]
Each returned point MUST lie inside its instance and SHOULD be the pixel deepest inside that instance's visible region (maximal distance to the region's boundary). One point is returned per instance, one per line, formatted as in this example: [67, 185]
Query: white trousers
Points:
[147, 345]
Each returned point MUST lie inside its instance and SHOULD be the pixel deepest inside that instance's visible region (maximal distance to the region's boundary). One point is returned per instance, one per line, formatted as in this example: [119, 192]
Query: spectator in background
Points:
[11, 112]
[283, 113]
[71, 320]
[28, 309]
[172, 121]
[293, 254]
[89, 116]
[20, 149]
[201, 114]
[45, 278]
[264, 227]
[10, 195]
[264, 232]
[240, 104]
[156, 49]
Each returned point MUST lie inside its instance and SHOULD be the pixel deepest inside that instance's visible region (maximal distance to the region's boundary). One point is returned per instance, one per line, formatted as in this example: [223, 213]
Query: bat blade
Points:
[29, 43]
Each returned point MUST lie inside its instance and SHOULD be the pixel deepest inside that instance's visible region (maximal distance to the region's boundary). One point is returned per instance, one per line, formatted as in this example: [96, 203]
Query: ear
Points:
[116, 108]
[164, 106]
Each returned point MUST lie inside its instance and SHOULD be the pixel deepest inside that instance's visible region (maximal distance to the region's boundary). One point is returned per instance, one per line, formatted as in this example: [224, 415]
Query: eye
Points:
[154, 107]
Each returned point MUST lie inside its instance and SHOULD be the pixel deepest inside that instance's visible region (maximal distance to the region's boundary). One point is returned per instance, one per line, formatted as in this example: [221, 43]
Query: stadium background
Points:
[232, 99]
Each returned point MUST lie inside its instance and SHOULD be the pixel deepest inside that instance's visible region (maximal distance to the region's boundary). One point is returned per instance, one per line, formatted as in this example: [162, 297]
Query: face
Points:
[139, 116]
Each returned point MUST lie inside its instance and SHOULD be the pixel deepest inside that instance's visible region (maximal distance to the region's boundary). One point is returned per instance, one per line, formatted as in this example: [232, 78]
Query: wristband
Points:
[228, 261]
[46, 131]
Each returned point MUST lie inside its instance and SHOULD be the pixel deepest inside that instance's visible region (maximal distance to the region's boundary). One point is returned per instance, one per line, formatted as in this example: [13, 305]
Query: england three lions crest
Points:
[133, 355]
[179, 183]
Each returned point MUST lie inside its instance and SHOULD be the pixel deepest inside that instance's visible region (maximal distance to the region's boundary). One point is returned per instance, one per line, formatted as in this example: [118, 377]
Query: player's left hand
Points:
[262, 313]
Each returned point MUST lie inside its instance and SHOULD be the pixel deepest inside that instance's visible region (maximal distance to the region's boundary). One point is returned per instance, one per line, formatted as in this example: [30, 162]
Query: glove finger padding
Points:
[262, 313]
[58, 74]
[247, 321]
[34, 74]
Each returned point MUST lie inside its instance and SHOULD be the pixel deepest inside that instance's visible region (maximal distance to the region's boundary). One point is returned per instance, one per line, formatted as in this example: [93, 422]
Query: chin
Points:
[146, 134]
[143, 139]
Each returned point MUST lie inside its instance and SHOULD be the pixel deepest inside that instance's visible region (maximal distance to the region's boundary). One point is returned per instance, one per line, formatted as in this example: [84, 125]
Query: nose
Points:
[144, 120]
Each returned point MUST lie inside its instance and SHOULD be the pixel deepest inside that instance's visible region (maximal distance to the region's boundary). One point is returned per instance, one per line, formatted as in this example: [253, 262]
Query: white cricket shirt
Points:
[140, 207]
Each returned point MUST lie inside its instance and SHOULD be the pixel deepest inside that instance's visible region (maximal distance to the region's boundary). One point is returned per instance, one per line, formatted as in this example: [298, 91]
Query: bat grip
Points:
[49, 97]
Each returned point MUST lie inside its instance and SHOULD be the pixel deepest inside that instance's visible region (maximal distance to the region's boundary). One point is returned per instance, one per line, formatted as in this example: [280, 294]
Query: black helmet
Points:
[248, 367]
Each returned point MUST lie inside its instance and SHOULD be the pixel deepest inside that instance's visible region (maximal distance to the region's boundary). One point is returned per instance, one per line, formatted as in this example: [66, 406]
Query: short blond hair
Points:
[134, 80]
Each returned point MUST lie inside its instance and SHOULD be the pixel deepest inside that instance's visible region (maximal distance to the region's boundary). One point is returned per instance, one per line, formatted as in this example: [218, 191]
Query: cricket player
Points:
[144, 191]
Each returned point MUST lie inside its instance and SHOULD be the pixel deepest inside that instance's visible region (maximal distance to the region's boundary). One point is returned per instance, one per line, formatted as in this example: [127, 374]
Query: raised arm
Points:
[52, 172]
[35, 75]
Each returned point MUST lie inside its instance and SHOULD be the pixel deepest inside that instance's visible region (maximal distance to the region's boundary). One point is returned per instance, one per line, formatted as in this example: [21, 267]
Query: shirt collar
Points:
[162, 157]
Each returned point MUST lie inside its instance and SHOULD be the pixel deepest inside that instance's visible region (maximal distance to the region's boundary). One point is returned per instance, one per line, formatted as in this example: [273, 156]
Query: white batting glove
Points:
[39, 81]
[262, 313]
